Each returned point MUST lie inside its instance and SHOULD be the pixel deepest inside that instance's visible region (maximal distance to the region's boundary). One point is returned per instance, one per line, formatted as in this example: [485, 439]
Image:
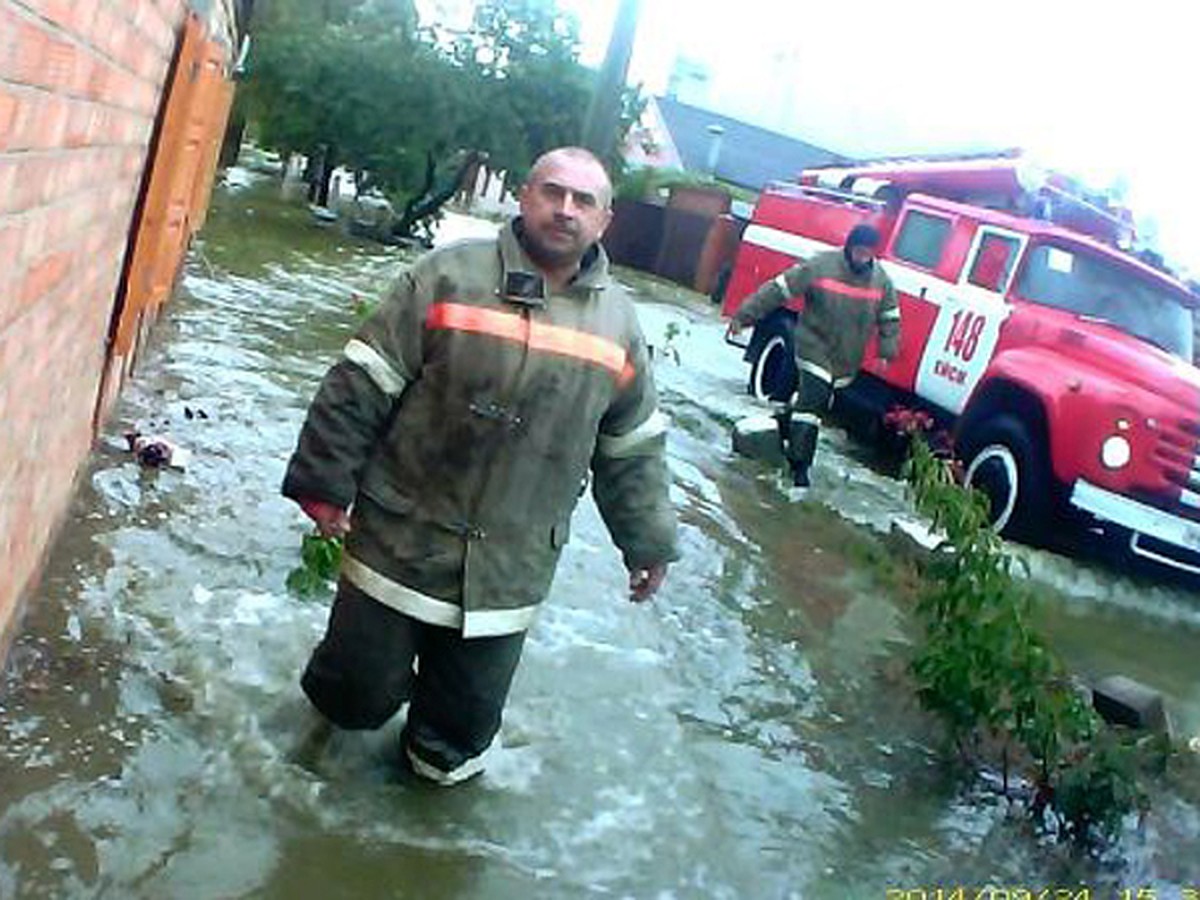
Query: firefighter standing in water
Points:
[459, 429]
[847, 295]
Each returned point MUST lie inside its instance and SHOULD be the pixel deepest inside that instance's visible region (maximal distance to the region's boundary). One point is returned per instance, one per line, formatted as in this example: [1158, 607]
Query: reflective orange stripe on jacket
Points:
[538, 336]
[849, 290]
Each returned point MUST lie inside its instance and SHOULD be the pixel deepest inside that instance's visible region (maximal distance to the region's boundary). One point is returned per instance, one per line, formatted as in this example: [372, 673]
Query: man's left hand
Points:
[644, 583]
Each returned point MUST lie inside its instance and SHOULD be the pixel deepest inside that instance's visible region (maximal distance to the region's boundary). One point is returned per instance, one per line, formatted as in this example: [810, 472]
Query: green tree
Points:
[358, 83]
[523, 56]
[274, 15]
[362, 91]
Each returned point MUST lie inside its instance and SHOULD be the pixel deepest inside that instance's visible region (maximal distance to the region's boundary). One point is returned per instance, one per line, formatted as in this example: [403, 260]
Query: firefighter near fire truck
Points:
[846, 298]
[460, 429]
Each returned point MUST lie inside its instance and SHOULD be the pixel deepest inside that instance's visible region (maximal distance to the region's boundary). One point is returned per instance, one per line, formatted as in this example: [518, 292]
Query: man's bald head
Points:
[551, 160]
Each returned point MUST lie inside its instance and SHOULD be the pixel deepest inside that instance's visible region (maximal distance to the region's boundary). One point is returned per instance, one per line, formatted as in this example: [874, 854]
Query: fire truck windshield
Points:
[1091, 286]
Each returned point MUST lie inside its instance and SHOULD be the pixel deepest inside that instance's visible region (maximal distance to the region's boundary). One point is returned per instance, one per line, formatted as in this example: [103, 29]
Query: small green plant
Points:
[320, 560]
[1098, 786]
[985, 672]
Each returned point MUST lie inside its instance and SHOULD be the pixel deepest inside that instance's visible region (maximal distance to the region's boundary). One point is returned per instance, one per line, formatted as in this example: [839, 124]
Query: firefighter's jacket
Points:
[841, 309]
[463, 423]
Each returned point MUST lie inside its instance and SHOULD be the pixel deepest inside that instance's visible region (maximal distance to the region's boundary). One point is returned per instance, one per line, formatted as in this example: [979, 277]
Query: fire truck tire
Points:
[773, 372]
[1005, 464]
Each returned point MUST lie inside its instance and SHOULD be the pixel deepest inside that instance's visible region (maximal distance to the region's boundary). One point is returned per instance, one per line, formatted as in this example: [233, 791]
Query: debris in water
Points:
[154, 451]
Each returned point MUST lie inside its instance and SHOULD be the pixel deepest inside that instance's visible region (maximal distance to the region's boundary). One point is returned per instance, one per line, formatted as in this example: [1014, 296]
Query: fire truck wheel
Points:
[773, 374]
[1004, 463]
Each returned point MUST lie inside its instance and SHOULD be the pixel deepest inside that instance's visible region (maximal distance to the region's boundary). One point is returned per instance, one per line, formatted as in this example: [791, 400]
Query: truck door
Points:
[924, 258]
[969, 316]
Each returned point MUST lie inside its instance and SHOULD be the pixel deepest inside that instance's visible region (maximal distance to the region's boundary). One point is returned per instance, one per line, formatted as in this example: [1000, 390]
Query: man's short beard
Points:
[546, 256]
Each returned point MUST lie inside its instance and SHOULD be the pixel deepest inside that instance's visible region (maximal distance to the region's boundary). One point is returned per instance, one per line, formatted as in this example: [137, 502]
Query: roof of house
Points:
[750, 156]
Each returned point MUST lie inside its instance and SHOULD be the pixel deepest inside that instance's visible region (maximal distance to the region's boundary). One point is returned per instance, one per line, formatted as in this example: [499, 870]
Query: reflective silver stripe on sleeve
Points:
[813, 369]
[371, 361]
[632, 442]
[807, 418]
[782, 284]
[890, 314]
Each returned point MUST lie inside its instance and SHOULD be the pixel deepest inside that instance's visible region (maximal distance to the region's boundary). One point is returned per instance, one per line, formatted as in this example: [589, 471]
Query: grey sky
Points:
[1102, 90]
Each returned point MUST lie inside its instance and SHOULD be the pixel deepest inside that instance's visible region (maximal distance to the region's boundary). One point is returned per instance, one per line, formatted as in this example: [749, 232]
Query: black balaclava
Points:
[866, 236]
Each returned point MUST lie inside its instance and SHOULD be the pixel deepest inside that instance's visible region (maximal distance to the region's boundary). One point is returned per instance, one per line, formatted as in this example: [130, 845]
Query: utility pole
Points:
[600, 126]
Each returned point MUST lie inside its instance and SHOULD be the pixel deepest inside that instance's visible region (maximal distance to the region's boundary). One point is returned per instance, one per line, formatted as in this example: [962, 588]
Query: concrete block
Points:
[1123, 701]
[916, 534]
[758, 438]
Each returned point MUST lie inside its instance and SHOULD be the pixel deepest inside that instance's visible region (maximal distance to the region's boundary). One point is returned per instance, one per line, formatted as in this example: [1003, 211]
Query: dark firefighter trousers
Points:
[800, 423]
[363, 671]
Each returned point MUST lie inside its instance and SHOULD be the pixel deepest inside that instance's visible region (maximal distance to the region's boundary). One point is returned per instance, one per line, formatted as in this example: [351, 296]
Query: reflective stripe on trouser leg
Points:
[457, 701]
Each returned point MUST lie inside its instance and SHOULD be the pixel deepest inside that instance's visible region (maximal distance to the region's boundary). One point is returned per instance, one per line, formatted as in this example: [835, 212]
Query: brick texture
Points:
[80, 85]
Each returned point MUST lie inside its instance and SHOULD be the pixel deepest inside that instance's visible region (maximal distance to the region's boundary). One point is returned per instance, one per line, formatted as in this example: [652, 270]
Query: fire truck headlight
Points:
[1115, 452]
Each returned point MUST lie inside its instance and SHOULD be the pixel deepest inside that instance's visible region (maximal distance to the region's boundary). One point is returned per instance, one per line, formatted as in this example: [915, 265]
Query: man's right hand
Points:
[331, 520]
[735, 328]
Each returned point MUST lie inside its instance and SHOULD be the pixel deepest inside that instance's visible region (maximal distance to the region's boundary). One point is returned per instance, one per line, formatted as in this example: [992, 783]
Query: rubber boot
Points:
[799, 449]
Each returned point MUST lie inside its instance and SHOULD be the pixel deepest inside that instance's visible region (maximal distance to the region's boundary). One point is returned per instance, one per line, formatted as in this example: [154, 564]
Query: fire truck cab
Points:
[1062, 362]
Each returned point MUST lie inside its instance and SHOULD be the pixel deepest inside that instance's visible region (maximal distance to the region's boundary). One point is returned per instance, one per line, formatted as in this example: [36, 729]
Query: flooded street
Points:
[747, 735]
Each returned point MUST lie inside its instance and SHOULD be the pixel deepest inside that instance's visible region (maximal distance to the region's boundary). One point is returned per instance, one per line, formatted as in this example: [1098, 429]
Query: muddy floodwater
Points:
[750, 734]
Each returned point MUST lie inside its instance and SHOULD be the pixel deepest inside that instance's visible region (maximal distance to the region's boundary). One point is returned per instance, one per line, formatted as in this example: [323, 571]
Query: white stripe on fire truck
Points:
[785, 242]
[908, 280]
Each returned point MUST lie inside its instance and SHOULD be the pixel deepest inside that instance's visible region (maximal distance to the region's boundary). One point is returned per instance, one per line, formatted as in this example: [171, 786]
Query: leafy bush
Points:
[645, 182]
[987, 674]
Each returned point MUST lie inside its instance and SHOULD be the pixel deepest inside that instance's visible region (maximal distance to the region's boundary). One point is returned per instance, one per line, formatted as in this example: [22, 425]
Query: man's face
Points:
[861, 257]
[565, 208]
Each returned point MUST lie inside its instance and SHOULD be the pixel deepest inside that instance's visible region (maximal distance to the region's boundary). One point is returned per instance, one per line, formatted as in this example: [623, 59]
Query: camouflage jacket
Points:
[841, 309]
[462, 424]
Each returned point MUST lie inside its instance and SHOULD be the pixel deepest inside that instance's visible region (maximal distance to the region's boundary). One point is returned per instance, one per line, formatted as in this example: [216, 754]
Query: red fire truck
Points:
[1062, 362]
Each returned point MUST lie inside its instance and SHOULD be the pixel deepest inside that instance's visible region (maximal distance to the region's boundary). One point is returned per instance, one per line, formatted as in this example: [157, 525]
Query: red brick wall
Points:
[80, 84]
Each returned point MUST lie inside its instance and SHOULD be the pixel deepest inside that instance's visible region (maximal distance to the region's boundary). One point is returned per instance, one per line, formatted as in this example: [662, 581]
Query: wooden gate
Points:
[175, 194]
